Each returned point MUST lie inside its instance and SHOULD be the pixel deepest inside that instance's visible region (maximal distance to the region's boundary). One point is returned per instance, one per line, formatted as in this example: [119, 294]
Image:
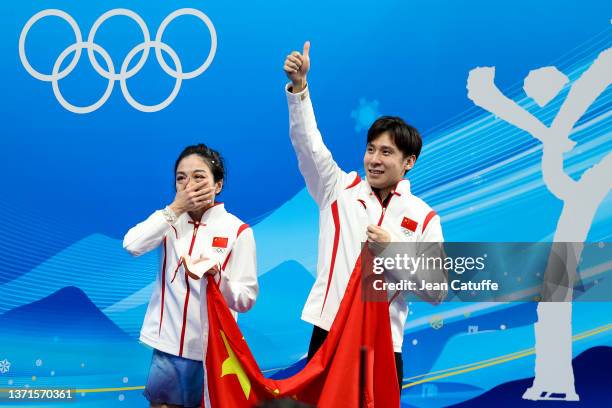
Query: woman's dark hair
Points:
[406, 138]
[210, 156]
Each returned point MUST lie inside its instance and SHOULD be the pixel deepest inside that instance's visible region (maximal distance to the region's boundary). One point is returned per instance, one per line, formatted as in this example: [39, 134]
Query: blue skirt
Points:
[174, 380]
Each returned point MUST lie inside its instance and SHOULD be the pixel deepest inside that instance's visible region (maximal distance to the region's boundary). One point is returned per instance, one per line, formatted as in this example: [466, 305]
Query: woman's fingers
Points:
[204, 193]
[197, 186]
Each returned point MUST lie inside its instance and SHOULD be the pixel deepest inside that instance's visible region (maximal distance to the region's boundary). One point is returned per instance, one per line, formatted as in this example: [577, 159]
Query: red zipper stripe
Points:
[336, 217]
[193, 237]
[382, 214]
[163, 289]
[195, 231]
[184, 315]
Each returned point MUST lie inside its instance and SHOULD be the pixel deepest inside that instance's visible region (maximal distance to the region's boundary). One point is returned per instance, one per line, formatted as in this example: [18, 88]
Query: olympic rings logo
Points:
[110, 74]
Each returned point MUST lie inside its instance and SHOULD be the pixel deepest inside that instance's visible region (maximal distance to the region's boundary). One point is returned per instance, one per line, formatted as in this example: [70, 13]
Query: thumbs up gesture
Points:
[297, 66]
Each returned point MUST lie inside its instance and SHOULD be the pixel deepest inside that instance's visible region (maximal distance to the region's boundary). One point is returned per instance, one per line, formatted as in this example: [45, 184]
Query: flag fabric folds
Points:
[334, 377]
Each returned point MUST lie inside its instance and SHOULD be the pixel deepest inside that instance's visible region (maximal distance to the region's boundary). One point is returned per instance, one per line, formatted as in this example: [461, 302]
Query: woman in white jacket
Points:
[198, 236]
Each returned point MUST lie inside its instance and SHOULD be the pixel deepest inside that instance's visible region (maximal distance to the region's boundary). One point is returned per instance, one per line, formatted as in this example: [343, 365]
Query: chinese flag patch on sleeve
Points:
[409, 224]
[219, 242]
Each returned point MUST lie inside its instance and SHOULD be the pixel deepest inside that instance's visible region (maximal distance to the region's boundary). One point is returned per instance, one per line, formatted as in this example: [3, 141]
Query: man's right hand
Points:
[297, 66]
[192, 198]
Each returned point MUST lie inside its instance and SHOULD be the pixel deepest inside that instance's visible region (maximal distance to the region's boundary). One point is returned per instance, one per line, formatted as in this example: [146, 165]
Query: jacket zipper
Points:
[196, 225]
[384, 209]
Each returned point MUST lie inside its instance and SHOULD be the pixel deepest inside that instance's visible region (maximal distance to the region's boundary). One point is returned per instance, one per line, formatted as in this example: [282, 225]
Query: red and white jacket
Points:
[347, 206]
[176, 321]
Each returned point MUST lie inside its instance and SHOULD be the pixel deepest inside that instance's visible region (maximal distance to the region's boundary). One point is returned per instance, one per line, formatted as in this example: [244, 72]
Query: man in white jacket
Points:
[379, 209]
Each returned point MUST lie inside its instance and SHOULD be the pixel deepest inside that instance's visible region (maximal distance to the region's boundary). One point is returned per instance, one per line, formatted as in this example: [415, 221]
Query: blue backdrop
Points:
[72, 301]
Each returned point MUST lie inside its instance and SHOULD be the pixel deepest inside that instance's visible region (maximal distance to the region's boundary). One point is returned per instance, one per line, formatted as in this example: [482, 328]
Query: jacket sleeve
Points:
[320, 171]
[431, 245]
[433, 232]
[147, 235]
[238, 282]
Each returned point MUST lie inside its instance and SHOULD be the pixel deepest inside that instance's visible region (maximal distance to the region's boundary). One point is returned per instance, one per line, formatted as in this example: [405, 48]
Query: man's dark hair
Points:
[406, 138]
[210, 156]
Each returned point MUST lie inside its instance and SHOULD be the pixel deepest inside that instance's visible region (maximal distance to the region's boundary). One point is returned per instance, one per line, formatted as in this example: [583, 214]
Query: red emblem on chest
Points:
[219, 242]
[409, 224]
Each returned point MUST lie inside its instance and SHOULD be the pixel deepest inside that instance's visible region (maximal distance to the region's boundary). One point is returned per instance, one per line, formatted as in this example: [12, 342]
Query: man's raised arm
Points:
[316, 163]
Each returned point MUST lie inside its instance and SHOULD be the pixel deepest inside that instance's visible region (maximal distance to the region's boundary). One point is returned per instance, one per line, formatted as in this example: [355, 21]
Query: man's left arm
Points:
[431, 245]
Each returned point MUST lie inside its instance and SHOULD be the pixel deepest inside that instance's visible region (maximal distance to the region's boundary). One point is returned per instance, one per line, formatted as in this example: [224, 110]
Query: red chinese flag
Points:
[330, 379]
[409, 224]
[219, 242]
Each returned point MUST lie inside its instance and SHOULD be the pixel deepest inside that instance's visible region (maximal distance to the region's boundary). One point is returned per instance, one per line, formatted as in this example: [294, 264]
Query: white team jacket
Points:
[176, 321]
[347, 206]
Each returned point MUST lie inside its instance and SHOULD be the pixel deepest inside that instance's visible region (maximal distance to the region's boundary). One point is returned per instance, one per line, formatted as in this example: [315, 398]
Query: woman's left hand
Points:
[198, 267]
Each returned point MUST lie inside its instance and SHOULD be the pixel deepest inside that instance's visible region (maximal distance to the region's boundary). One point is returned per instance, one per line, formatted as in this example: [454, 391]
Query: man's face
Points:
[384, 163]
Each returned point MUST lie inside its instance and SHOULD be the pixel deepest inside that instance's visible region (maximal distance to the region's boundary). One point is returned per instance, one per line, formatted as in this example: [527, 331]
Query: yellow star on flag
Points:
[231, 365]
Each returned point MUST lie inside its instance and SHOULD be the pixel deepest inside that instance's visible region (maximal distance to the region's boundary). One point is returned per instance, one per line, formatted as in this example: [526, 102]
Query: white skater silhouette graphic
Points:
[554, 376]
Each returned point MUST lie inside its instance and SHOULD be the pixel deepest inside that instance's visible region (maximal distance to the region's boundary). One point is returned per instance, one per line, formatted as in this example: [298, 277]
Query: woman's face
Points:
[193, 169]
